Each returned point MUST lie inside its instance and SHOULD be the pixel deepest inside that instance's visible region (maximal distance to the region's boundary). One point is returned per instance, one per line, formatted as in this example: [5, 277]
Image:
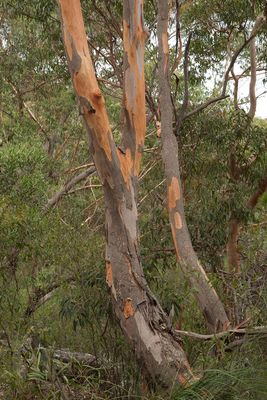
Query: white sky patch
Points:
[243, 90]
[261, 92]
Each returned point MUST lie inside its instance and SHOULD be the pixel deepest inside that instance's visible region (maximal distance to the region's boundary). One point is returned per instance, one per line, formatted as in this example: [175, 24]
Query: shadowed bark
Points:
[138, 311]
[205, 294]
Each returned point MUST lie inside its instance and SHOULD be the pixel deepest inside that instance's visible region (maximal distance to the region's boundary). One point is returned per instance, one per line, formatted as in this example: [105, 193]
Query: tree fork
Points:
[139, 313]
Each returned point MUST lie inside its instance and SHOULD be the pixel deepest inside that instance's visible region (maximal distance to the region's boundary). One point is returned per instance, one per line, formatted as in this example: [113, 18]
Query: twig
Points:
[84, 188]
[71, 170]
[186, 85]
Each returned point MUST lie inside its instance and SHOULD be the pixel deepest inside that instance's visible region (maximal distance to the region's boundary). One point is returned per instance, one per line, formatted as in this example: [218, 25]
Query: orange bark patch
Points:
[165, 43]
[83, 74]
[109, 274]
[174, 193]
[158, 126]
[126, 164]
[129, 267]
[178, 221]
[128, 310]
[182, 379]
[135, 82]
[165, 46]
[175, 242]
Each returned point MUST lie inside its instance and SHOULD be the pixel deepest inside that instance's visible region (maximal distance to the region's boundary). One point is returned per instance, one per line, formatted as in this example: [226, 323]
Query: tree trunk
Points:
[233, 255]
[206, 297]
[142, 320]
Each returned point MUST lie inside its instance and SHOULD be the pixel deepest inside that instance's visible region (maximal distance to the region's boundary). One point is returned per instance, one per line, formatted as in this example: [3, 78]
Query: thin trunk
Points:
[258, 193]
[142, 320]
[206, 296]
[233, 255]
[253, 79]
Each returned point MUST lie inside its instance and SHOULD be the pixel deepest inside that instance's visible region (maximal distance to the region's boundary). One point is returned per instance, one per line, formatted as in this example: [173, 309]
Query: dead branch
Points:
[65, 356]
[258, 330]
[67, 187]
[40, 296]
[71, 170]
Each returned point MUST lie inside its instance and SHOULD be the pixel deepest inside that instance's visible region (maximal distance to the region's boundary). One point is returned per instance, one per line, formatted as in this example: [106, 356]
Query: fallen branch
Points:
[65, 356]
[258, 330]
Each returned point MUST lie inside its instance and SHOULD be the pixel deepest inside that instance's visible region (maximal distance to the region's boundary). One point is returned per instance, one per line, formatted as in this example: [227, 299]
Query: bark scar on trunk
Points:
[128, 309]
[174, 192]
[178, 220]
[109, 274]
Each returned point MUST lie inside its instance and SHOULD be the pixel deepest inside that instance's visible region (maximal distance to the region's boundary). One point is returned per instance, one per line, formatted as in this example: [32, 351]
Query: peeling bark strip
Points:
[134, 36]
[205, 294]
[141, 317]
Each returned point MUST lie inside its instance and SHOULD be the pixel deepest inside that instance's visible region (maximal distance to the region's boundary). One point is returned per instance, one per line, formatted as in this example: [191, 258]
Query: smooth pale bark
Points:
[206, 297]
[253, 79]
[139, 313]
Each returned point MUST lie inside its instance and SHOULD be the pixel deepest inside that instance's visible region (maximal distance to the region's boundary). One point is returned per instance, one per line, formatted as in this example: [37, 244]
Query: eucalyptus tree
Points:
[138, 311]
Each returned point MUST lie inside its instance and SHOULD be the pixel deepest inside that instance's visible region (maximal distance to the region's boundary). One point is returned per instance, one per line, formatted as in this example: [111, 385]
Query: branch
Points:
[65, 356]
[33, 117]
[67, 187]
[71, 170]
[40, 296]
[205, 105]
[35, 305]
[259, 192]
[258, 330]
[186, 85]
[259, 22]
[253, 79]
[179, 49]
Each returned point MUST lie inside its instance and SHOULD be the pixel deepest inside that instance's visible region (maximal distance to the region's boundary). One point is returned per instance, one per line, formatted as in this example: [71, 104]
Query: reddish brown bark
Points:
[205, 294]
[138, 311]
[258, 193]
